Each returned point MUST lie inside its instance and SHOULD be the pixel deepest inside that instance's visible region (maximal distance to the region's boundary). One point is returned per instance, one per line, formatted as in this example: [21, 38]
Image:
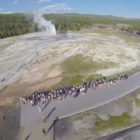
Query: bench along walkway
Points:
[70, 106]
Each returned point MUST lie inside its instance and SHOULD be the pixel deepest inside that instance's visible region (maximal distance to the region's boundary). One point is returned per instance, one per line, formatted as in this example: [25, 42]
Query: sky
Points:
[123, 8]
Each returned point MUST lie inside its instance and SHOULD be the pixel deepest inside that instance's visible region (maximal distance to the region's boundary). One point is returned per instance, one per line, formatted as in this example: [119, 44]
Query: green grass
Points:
[78, 64]
[137, 102]
[9, 23]
[103, 32]
[127, 38]
[72, 79]
[80, 21]
[92, 77]
[81, 116]
[76, 69]
[106, 33]
[76, 79]
[113, 122]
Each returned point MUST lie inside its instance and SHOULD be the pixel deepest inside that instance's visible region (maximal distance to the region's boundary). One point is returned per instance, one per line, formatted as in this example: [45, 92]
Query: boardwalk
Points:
[70, 106]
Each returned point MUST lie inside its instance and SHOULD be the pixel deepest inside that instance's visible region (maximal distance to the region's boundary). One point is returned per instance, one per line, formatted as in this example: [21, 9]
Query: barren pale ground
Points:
[34, 61]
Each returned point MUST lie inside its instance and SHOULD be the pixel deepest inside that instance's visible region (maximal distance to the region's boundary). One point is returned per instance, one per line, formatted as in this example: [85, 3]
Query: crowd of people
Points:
[70, 91]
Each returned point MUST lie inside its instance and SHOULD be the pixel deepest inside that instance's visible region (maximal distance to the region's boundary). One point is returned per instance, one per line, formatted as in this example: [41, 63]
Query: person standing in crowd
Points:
[39, 108]
[38, 98]
[44, 131]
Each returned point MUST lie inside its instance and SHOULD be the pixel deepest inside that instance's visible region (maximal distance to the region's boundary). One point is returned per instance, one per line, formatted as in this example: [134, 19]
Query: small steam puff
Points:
[44, 25]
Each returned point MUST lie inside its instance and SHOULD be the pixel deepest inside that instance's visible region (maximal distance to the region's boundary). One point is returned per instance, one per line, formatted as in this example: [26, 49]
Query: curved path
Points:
[132, 131]
[71, 106]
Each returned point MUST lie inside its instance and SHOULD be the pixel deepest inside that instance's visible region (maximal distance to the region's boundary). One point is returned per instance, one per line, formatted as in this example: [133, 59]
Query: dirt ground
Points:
[12, 92]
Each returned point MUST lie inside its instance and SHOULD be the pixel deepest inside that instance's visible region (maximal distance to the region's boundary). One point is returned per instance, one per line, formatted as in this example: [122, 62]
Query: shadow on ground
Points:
[28, 136]
[62, 129]
[10, 123]
[50, 113]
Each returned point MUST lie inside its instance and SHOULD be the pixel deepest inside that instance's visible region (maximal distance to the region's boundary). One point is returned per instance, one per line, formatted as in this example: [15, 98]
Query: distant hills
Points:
[78, 21]
[16, 24]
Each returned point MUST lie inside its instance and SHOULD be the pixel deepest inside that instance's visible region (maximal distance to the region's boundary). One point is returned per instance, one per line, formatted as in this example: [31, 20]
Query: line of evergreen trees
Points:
[79, 21]
[69, 21]
[15, 24]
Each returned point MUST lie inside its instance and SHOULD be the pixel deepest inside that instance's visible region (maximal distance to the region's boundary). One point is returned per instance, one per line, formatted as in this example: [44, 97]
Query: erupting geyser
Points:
[44, 25]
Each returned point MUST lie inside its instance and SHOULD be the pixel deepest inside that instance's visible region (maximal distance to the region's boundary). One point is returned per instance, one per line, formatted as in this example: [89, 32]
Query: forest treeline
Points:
[17, 24]
[80, 21]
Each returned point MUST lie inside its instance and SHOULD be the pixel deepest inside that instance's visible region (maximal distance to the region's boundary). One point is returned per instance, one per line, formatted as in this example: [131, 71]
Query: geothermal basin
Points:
[34, 61]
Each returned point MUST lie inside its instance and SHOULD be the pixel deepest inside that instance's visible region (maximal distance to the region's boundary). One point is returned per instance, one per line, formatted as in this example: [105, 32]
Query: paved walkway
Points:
[34, 132]
[129, 132]
[71, 106]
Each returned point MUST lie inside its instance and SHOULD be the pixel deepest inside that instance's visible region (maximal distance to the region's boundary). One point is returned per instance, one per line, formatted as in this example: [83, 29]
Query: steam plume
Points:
[44, 25]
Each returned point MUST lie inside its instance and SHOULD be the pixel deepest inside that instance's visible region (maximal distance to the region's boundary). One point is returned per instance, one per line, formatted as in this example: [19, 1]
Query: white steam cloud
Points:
[58, 7]
[45, 25]
[40, 1]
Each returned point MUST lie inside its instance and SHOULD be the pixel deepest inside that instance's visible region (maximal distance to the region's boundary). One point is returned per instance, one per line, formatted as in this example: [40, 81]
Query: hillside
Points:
[79, 21]
[17, 24]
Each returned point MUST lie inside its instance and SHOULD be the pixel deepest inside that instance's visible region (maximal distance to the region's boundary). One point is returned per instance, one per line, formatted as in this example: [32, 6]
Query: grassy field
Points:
[127, 38]
[137, 102]
[107, 33]
[79, 21]
[103, 32]
[81, 116]
[113, 122]
[78, 64]
[68, 21]
[79, 68]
